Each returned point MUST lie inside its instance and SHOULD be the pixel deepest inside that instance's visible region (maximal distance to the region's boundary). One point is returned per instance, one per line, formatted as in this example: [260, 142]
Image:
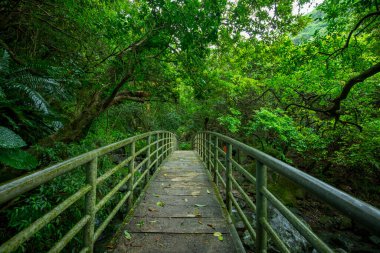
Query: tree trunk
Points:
[80, 125]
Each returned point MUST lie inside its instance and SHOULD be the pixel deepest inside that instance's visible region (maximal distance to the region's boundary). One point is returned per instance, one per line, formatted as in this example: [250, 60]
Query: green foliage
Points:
[9, 139]
[232, 122]
[250, 69]
[11, 155]
[18, 159]
[23, 105]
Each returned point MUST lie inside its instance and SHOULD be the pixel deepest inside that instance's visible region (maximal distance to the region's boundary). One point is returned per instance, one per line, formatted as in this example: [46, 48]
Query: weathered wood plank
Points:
[188, 216]
[152, 210]
[209, 199]
[177, 225]
[175, 243]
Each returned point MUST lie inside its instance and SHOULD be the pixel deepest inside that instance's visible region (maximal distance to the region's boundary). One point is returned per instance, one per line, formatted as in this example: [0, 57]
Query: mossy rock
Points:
[287, 191]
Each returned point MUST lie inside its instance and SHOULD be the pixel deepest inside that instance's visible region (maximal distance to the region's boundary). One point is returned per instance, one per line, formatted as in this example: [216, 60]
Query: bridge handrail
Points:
[207, 144]
[164, 144]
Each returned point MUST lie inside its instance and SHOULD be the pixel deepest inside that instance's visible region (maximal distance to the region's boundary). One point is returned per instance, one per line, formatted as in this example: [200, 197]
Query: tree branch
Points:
[137, 96]
[358, 24]
[334, 110]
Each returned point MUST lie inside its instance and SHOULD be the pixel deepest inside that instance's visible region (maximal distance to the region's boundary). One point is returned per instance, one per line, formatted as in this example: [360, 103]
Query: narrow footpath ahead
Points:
[179, 212]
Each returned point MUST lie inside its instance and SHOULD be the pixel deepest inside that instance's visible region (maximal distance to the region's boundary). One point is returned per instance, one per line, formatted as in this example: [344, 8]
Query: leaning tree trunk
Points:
[77, 128]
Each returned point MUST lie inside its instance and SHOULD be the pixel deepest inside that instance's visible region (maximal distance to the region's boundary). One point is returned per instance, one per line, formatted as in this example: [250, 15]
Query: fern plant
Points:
[10, 152]
[25, 111]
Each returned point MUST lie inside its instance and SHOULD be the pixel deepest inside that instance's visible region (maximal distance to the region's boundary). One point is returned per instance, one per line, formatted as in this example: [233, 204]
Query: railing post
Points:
[166, 145]
[175, 139]
[200, 145]
[157, 146]
[90, 199]
[197, 144]
[209, 153]
[228, 178]
[204, 146]
[261, 207]
[132, 171]
[163, 147]
[216, 157]
[171, 143]
[149, 140]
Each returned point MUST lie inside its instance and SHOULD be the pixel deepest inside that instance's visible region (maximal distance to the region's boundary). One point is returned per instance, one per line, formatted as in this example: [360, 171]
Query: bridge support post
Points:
[90, 199]
[132, 171]
[166, 145]
[228, 178]
[197, 144]
[201, 145]
[148, 141]
[166, 142]
[157, 146]
[261, 207]
[204, 146]
[209, 153]
[216, 157]
[163, 147]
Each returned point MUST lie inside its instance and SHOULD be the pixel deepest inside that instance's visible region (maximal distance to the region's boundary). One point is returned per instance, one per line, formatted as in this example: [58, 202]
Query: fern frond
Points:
[18, 159]
[4, 62]
[44, 85]
[2, 93]
[38, 101]
[9, 139]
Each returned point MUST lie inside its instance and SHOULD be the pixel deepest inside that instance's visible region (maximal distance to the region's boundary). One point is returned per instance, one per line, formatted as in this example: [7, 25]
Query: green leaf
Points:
[127, 235]
[18, 159]
[160, 203]
[217, 234]
[199, 205]
[9, 139]
[140, 223]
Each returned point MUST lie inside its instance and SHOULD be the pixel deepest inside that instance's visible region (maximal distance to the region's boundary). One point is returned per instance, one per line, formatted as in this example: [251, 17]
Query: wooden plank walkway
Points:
[188, 218]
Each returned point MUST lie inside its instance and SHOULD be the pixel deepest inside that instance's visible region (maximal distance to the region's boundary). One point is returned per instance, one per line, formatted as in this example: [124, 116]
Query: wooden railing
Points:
[158, 145]
[220, 161]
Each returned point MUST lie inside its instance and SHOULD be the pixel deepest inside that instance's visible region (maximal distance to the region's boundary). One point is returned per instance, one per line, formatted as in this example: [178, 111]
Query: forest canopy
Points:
[79, 74]
[303, 87]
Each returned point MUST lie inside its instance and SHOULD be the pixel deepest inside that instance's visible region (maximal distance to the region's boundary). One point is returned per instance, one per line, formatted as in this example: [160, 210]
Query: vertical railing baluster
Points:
[157, 162]
[149, 140]
[228, 177]
[206, 155]
[132, 171]
[90, 199]
[166, 145]
[216, 157]
[163, 148]
[171, 143]
[197, 144]
[261, 207]
[175, 142]
[200, 146]
[209, 153]
[203, 146]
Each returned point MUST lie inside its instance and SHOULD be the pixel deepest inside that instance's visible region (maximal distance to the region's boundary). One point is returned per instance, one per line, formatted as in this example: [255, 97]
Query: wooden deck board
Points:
[189, 217]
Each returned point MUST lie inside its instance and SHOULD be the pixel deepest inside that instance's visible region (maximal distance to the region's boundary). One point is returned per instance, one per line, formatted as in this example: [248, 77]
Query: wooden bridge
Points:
[187, 215]
[187, 198]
